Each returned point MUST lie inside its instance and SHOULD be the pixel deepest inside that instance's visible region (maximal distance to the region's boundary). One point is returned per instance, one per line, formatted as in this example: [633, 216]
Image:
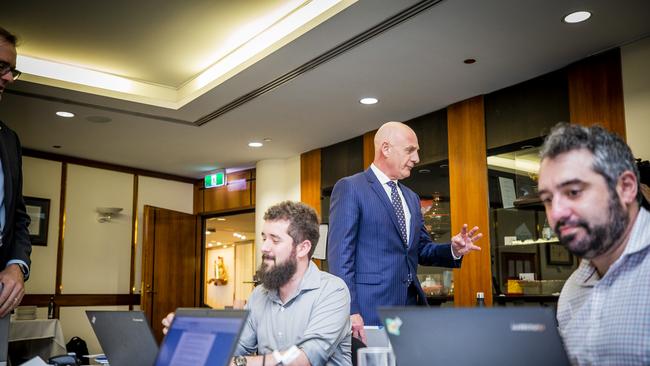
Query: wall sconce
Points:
[105, 214]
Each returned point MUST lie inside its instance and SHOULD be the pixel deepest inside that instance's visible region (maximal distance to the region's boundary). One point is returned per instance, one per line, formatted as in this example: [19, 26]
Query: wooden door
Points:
[171, 262]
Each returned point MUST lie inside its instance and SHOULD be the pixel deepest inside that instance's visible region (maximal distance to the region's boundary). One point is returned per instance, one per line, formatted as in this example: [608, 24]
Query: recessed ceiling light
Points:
[469, 61]
[255, 144]
[368, 101]
[577, 17]
[65, 114]
[424, 171]
[267, 139]
[56, 146]
[221, 219]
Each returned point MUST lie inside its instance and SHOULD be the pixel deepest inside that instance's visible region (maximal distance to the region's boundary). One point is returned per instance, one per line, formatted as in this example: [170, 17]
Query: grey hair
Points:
[612, 156]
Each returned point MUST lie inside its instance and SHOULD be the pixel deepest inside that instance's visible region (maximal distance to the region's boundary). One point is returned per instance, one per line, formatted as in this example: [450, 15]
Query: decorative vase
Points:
[436, 218]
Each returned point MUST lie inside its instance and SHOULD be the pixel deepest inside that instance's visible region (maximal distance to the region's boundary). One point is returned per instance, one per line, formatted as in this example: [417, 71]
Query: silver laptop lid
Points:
[4, 338]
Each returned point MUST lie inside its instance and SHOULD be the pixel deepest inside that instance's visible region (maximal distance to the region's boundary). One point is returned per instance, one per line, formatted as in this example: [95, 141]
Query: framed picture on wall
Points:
[558, 255]
[38, 210]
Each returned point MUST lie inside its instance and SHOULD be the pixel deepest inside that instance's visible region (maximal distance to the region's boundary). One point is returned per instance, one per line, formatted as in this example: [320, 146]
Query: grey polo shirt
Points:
[316, 319]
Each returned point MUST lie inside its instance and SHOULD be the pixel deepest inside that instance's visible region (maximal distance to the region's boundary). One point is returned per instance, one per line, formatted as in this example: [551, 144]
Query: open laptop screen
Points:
[201, 337]
[474, 336]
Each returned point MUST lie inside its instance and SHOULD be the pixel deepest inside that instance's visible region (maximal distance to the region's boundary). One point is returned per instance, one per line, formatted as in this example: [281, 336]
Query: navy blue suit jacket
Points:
[15, 235]
[365, 248]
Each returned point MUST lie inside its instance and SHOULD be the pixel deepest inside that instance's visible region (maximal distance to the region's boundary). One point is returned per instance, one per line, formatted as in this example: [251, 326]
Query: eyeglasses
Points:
[5, 68]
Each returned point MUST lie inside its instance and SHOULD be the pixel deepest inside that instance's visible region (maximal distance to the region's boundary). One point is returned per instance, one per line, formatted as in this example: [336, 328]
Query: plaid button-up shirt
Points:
[606, 321]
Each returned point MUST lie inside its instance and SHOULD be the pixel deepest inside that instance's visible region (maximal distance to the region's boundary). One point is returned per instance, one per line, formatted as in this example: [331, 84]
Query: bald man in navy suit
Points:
[377, 236]
[15, 247]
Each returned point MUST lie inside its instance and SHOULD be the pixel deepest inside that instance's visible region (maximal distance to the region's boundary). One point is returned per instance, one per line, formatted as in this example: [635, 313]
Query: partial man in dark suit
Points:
[15, 246]
[377, 235]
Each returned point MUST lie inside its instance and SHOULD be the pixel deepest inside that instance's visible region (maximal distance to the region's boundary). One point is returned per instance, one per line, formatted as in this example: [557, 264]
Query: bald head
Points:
[396, 150]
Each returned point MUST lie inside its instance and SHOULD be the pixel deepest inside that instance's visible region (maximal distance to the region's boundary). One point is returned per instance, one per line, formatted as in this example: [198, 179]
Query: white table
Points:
[39, 337]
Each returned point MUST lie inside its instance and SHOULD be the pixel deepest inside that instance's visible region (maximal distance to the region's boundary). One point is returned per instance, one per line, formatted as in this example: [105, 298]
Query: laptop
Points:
[4, 338]
[125, 337]
[376, 336]
[474, 336]
[199, 337]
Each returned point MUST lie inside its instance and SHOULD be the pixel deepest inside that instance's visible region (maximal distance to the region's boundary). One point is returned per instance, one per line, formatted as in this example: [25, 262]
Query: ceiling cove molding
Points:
[360, 38]
[343, 47]
[97, 106]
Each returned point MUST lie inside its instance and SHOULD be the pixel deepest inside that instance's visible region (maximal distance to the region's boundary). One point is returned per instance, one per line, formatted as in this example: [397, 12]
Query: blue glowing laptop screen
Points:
[195, 341]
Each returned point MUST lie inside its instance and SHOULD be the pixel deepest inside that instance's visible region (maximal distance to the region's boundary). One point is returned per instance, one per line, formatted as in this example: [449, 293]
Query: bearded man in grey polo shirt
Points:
[297, 309]
[298, 315]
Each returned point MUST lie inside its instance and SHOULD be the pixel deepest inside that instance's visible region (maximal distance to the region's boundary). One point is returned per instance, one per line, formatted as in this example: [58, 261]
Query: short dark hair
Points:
[612, 156]
[8, 36]
[303, 221]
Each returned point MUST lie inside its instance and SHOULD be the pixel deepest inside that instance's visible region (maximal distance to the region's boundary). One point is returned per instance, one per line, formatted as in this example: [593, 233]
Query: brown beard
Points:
[279, 275]
[600, 238]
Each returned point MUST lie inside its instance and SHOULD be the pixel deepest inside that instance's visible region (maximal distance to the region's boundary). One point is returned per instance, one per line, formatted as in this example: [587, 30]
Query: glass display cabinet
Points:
[528, 262]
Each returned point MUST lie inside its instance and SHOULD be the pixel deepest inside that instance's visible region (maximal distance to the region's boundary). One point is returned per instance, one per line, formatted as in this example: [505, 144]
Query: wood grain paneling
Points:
[596, 92]
[469, 196]
[368, 148]
[59, 253]
[310, 179]
[43, 300]
[198, 197]
[310, 183]
[170, 263]
[236, 194]
[134, 235]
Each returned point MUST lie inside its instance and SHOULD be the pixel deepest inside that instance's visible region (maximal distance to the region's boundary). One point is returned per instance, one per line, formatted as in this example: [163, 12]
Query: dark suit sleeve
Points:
[343, 237]
[430, 253]
[22, 247]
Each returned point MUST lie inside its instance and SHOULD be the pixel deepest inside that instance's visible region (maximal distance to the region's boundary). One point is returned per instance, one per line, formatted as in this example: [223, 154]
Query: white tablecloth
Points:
[39, 337]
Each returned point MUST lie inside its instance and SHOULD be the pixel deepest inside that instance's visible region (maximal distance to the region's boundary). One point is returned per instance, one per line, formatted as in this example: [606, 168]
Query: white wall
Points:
[75, 323]
[42, 179]
[635, 61]
[97, 256]
[161, 193]
[218, 296]
[276, 180]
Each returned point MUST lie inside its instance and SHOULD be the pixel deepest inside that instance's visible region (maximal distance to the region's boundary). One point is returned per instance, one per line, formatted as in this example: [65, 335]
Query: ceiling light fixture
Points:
[65, 114]
[577, 17]
[368, 100]
[255, 144]
[469, 61]
[221, 219]
[248, 46]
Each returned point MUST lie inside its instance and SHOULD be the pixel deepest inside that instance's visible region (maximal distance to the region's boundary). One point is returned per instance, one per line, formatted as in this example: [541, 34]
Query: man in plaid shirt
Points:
[589, 184]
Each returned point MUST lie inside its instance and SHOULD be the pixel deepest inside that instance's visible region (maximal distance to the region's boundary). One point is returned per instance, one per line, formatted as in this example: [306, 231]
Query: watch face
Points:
[240, 361]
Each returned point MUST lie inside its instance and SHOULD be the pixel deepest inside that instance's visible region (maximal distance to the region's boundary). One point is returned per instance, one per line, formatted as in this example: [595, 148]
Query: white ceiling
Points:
[414, 68]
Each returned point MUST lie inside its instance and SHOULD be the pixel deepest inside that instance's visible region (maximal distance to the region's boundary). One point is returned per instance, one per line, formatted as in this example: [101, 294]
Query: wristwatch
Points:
[240, 361]
[24, 270]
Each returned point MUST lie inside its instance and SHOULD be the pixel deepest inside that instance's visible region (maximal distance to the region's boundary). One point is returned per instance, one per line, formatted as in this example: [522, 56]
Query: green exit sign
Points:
[217, 179]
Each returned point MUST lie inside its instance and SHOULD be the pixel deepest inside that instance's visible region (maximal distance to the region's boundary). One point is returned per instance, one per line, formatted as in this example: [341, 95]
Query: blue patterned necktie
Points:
[399, 210]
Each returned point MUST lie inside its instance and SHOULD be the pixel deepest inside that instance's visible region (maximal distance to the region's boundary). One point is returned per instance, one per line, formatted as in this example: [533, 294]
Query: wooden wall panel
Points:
[236, 194]
[310, 183]
[310, 179]
[368, 148]
[469, 196]
[198, 197]
[596, 92]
